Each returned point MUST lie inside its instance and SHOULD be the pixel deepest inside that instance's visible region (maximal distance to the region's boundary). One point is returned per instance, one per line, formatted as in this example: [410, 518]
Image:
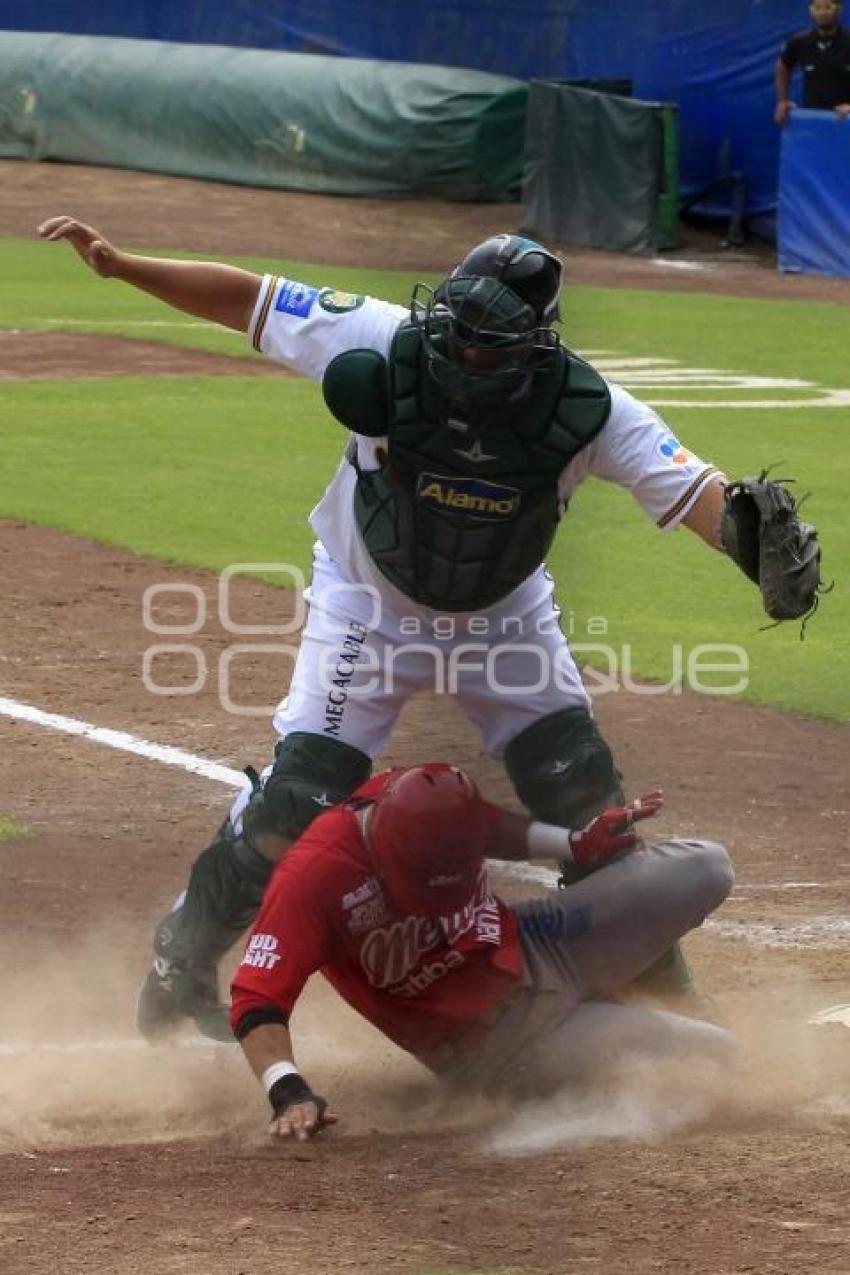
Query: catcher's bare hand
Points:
[609, 834]
[302, 1120]
[96, 251]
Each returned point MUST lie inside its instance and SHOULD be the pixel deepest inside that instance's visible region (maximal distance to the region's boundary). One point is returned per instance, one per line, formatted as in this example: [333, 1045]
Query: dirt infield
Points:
[177, 213]
[122, 1159]
[48, 356]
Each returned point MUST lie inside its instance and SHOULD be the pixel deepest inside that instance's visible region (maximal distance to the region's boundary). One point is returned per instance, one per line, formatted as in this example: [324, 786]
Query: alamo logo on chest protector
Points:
[490, 502]
[442, 535]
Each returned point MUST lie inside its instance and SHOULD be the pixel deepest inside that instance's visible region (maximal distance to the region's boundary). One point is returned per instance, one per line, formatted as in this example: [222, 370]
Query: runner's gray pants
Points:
[584, 944]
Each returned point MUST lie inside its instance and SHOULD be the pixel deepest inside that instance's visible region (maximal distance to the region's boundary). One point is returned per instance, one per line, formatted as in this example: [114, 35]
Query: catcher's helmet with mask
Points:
[487, 326]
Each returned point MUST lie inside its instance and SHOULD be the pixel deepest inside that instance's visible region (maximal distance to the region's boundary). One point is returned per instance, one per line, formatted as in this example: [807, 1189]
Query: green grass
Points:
[659, 590]
[756, 336]
[216, 470]
[10, 828]
[208, 471]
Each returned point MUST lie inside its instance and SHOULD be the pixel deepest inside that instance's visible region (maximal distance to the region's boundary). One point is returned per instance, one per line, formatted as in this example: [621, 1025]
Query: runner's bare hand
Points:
[302, 1121]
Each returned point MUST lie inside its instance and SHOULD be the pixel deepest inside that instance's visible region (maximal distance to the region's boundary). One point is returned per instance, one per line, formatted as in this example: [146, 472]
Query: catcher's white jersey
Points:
[305, 328]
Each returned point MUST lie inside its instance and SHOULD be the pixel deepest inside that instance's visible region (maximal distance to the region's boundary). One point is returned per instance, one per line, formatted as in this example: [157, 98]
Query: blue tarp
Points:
[530, 38]
[814, 195]
[714, 59]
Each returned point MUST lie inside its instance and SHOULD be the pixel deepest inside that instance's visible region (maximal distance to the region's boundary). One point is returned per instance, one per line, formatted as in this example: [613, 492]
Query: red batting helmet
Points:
[428, 833]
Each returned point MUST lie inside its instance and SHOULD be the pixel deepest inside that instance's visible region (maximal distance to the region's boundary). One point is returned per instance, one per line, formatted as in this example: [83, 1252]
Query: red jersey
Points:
[420, 980]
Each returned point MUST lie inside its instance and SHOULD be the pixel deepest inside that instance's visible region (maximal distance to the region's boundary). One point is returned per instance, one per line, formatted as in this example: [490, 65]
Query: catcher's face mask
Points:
[486, 327]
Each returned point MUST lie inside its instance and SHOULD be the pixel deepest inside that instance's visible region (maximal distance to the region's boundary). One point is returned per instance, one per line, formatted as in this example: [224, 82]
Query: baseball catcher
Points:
[470, 428]
[388, 896]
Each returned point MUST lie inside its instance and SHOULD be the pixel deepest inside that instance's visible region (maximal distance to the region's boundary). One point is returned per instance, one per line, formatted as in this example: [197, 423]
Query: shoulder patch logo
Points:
[671, 449]
[296, 298]
[339, 302]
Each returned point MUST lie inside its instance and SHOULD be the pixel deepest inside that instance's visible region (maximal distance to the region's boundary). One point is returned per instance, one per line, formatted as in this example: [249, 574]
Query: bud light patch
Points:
[486, 502]
[671, 449]
[262, 952]
[296, 298]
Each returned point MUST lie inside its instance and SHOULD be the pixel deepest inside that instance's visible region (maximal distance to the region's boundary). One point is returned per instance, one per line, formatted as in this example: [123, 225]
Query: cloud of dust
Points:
[787, 1071]
[74, 1071]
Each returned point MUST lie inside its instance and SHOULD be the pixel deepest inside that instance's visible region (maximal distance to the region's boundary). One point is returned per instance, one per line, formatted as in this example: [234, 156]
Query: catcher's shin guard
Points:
[564, 772]
[224, 894]
[310, 773]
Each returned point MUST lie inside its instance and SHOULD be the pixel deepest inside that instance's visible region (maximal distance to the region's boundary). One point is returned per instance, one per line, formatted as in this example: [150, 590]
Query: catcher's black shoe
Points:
[171, 995]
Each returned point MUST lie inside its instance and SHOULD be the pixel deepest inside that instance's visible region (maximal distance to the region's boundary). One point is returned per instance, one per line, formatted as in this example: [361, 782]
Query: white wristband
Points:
[276, 1072]
[547, 841]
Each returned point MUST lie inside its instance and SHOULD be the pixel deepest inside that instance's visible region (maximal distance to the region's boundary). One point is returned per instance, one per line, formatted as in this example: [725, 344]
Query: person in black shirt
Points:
[823, 53]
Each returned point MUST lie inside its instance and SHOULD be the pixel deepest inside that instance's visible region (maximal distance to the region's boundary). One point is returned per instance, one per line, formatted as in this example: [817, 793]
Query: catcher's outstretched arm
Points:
[207, 289]
[705, 517]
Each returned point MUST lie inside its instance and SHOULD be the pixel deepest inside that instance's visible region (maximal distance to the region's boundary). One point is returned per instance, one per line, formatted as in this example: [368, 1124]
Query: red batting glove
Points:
[609, 833]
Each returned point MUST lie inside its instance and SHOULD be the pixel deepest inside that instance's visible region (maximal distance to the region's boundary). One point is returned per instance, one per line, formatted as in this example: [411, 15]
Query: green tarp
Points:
[333, 125]
[601, 170]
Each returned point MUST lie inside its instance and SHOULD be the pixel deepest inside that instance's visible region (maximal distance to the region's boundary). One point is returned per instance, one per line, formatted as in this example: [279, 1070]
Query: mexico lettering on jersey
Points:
[420, 980]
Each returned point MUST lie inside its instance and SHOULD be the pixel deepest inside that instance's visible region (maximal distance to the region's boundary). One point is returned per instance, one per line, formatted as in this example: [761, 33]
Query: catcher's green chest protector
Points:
[457, 516]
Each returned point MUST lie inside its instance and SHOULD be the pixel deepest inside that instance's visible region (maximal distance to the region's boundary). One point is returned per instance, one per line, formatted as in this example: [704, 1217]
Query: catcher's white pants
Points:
[366, 649]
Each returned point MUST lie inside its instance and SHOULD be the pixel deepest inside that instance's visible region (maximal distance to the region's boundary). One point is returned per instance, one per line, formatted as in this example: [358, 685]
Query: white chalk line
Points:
[660, 372]
[530, 872]
[652, 376]
[124, 742]
[819, 932]
[766, 887]
[830, 398]
[661, 263]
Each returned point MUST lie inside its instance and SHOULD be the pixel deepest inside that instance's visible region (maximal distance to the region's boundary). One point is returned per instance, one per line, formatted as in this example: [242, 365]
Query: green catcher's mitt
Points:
[763, 533]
